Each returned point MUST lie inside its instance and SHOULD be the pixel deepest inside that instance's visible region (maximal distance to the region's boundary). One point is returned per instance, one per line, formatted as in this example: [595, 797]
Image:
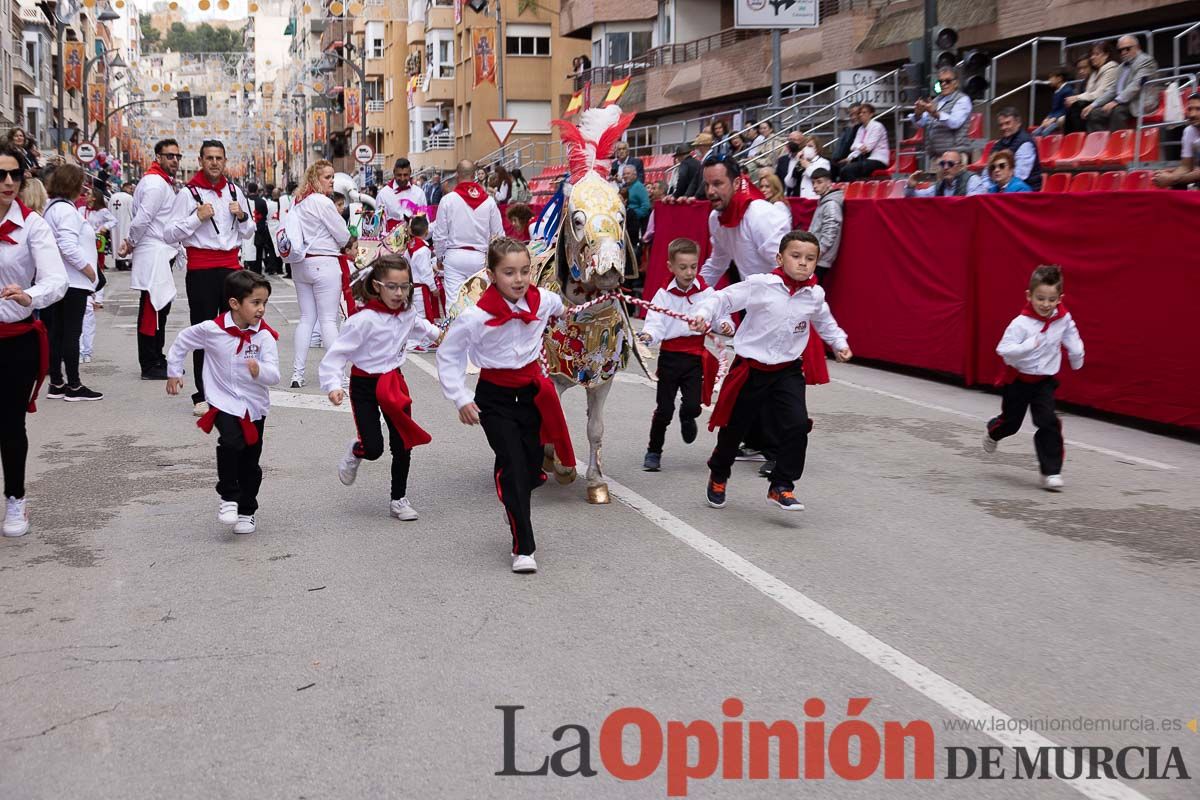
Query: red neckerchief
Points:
[156, 169]
[200, 180]
[397, 188]
[243, 335]
[697, 286]
[415, 244]
[8, 226]
[792, 284]
[744, 192]
[494, 303]
[472, 193]
[375, 304]
[1030, 311]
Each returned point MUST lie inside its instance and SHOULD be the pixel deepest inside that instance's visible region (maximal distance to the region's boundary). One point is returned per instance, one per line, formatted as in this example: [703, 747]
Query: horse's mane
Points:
[591, 142]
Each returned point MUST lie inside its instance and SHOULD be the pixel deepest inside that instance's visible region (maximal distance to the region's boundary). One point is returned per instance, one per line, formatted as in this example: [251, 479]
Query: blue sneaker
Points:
[716, 494]
[652, 462]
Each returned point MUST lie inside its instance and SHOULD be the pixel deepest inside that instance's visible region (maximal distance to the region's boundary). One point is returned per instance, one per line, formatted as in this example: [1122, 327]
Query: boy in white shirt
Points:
[420, 257]
[241, 364]
[1032, 351]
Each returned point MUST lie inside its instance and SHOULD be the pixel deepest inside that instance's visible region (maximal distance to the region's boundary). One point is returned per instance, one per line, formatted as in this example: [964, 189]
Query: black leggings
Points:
[365, 406]
[512, 424]
[678, 373]
[19, 357]
[64, 323]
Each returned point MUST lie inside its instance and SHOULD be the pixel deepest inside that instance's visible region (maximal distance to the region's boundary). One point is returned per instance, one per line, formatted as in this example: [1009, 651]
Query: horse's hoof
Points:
[547, 464]
[598, 494]
[566, 477]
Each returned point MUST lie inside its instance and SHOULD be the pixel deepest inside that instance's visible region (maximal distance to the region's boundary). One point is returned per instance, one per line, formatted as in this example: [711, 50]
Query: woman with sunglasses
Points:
[1002, 174]
[32, 277]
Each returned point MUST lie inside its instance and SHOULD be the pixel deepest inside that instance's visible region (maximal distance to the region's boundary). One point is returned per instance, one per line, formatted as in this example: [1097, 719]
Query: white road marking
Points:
[946, 410]
[310, 402]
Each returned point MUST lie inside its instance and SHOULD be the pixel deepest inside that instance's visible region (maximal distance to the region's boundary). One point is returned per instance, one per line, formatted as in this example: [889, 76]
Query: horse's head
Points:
[593, 233]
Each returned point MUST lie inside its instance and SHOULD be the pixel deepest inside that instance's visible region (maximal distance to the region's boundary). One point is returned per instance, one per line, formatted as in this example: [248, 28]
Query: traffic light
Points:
[478, 6]
[200, 106]
[944, 46]
[975, 79]
[184, 102]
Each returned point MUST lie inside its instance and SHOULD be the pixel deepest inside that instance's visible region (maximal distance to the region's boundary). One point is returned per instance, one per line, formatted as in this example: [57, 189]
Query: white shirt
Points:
[1191, 143]
[100, 219]
[390, 199]
[509, 346]
[659, 327]
[188, 229]
[272, 218]
[872, 140]
[458, 226]
[121, 204]
[76, 241]
[325, 232]
[753, 244]
[228, 385]
[421, 261]
[806, 187]
[949, 114]
[152, 202]
[33, 263]
[1032, 352]
[373, 341]
[775, 329]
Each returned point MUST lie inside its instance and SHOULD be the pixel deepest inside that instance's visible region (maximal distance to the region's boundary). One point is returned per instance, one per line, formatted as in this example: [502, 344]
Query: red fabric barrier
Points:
[932, 283]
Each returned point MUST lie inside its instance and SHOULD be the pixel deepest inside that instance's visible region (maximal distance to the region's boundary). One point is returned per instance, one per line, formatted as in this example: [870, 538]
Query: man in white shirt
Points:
[121, 204]
[1188, 170]
[210, 218]
[744, 228]
[870, 149]
[467, 221]
[153, 200]
[399, 198]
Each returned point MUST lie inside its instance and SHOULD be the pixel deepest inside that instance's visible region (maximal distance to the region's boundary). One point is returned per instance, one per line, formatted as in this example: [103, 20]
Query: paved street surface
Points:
[145, 652]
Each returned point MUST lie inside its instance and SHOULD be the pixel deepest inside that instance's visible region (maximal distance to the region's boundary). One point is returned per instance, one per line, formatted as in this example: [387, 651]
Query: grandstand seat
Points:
[916, 138]
[854, 190]
[1082, 182]
[1047, 148]
[1148, 145]
[979, 165]
[975, 126]
[1109, 181]
[1117, 152]
[870, 190]
[1068, 147]
[1158, 114]
[1139, 180]
[896, 189]
[1056, 182]
[1093, 145]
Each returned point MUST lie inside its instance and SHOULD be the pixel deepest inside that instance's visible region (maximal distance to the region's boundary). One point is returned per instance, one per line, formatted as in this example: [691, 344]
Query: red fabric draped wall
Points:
[932, 283]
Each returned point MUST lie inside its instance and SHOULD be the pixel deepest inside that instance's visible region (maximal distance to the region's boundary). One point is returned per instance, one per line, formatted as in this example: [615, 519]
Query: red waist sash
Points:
[554, 423]
[430, 297]
[1013, 375]
[201, 258]
[732, 387]
[9, 330]
[391, 391]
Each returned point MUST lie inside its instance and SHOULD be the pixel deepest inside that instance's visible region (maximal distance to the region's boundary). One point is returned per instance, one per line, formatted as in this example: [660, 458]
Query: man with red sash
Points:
[399, 199]
[467, 220]
[210, 218]
[153, 200]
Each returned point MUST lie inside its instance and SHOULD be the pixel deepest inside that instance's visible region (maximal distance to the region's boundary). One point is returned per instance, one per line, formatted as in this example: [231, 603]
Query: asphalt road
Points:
[146, 652]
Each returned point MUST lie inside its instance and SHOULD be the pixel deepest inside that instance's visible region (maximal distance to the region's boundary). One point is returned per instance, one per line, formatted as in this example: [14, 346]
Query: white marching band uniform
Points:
[752, 245]
[153, 200]
[392, 200]
[461, 235]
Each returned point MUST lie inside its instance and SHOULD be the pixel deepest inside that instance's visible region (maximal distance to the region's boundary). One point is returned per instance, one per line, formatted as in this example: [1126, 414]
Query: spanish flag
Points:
[575, 105]
[615, 91]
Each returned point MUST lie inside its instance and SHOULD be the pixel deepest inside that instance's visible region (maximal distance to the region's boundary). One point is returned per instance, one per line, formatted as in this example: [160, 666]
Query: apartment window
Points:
[622, 46]
[375, 39]
[527, 40]
[439, 52]
[533, 116]
[33, 55]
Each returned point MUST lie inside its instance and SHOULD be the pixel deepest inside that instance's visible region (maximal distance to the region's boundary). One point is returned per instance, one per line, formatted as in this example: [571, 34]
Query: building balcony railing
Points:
[376, 106]
[440, 141]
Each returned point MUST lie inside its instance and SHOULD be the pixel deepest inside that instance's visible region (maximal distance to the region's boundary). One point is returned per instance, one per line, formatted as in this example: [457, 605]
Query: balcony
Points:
[376, 106]
[24, 78]
[578, 16]
[439, 141]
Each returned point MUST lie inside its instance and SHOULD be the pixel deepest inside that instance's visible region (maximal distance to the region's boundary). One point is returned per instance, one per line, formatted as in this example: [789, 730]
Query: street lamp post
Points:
[327, 66]
[117, 63]
[62, 17]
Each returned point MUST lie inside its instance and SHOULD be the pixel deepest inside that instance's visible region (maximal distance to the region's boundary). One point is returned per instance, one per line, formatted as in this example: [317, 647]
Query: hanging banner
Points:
[280, 151]
[458, 12]
[73, 65]
[483, 47]
[353, 107]
[575, 105]
[615, 91]
[316, 124]
[95, 94]
[297, 143]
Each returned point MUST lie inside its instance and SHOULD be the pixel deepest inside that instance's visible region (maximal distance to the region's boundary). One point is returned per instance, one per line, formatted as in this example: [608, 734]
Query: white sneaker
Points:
[297, 379]
[402, 510]
[245, 524]
[1052, 483]
[200, 409]
[524, 564]
[348, 468]
[85, 358]
[989, 444]
[16, 518]
[227, 512]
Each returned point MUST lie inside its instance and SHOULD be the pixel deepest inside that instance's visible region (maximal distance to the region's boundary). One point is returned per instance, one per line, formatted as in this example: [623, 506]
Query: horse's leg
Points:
[596, 397]
[550, 462]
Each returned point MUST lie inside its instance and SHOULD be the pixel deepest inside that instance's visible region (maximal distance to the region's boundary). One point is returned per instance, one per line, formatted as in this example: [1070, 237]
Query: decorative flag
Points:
[615, 91]
[485, 55]
[575, 104]
[319, 134]
[458, 12]
[280, 151]
[353, 102]
[95, 94]
[73, 65]
[297, 143]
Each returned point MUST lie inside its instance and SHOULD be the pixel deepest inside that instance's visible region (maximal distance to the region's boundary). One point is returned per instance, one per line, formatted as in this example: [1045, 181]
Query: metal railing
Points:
[1175, 45]
[440, 141]
[1033, 82]
[1147, 37]
[376, 106]
[1142, 125]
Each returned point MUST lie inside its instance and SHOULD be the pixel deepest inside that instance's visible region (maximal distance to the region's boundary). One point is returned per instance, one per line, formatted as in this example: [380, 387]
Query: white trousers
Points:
[319, 294]
[460, 265]
[88, 336]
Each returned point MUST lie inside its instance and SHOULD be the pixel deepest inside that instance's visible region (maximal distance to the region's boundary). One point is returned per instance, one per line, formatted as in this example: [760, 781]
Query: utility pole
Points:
[501, 106]
[931, 22]
[776, 70]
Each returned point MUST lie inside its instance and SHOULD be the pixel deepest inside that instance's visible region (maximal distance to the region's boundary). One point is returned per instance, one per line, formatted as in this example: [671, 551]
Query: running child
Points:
[241, 364]
[514, 400]
[767, 374]
[1032, 351]
[420, 256]
[374, 342]
[685, 367]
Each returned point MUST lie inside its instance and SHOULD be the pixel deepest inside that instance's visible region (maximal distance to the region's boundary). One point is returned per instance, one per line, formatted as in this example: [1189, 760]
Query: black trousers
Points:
[678, 373]
[1038, 398]
[859, 169]
[365, 406]
[64, 323]
[150, 348]
[512, 423]
[781, 394]
[238, 474]
[205, 288]
[19, 358]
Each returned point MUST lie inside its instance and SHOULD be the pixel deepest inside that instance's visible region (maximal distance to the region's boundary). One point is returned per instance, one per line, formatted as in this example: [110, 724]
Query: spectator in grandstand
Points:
[720, 131]
[812, 158]
[686, 170]
[1002, 177]
[1060, 81]
[621, 157]
[657, 191]
[1129, 95]
[952, 179]
[1100, 81]
[1017, 140]
[703, 144]
[946, 118]
[772, 188]
[737, 148]
[764, 130]
[521, 192]
[787, 162]
[870, 149]
[1188, 171]
[826, 223]
[841, 148]
[637, 209]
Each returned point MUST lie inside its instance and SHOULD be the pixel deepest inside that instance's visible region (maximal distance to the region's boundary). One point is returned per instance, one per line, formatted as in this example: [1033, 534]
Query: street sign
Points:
[85, 152]
[502, 129]
[780, 14]
[364, 153]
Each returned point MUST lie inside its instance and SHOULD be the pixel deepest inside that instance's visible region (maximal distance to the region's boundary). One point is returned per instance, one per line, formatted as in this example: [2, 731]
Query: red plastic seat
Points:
[1047, 148]
[1139, 180]
[854, 190]
[907, 164]
[1109, 182]
[1056, 182]
[1117, 153]
[975, 127]
[887, 189]
[1068, 148]
[916, 138]
[870, 190]
[1148, 145]
[1157, 115]
[1082, 182]
[1093, 146]
[981, 164]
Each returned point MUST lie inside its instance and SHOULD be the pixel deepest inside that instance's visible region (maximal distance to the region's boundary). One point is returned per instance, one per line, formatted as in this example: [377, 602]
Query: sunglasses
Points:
[947, 164]
[1124, 49]
[1000, 166]
[172, 156]
[15, 174]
